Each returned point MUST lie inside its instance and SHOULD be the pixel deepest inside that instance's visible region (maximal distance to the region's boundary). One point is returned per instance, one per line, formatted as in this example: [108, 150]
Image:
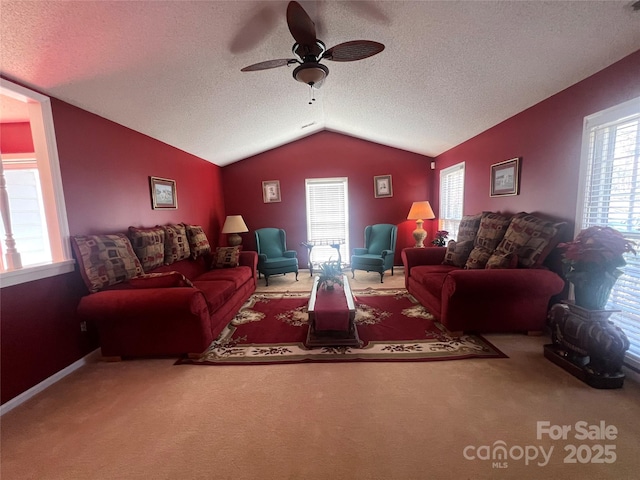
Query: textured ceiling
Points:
[171, 70]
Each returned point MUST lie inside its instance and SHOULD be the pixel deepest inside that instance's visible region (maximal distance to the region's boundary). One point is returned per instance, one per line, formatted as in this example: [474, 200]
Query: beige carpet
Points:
[149, 419]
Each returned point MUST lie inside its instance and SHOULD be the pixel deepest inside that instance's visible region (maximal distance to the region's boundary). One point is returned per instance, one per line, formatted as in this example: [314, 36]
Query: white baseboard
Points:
[24, 396]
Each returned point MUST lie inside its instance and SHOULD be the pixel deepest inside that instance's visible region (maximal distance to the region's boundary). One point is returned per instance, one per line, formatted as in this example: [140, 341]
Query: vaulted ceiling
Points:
[171, 69]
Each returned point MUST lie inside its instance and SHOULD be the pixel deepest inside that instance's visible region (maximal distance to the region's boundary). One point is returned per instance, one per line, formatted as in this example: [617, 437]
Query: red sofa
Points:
[134, 322]
[501, 296]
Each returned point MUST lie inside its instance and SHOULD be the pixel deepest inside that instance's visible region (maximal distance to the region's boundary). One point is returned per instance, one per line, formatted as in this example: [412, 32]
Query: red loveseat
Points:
[469, 296]
[161, 291]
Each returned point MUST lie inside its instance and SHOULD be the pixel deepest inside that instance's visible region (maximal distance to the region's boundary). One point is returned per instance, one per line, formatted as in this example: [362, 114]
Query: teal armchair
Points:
[273, 256]
[378, 252]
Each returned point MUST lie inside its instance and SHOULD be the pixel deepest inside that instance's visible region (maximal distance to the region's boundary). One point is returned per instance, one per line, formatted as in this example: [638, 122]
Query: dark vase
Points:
[592, 290]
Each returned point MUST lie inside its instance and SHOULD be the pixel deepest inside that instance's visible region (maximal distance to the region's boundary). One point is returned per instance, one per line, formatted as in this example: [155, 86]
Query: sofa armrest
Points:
[290, 254]
[248, 259]
[360, 251]
[507, 282]
[384, 253]
[412, 257]
[119, 305]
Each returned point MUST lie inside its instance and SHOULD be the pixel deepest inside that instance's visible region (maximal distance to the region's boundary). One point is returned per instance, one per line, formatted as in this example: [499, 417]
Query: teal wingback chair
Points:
[378, 252]
[273, 256]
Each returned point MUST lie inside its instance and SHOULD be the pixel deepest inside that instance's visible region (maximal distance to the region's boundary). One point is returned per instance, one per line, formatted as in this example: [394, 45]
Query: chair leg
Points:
[353, 273]
[381, 275]
[391, 269]
[266, 279]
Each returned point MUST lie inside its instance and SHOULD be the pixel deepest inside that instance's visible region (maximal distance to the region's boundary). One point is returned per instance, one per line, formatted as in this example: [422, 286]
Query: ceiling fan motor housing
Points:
[311, 73]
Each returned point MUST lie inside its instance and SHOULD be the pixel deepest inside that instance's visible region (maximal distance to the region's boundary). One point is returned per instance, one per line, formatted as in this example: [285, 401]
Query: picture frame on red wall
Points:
[271, 191]
[163, 193]
[505, 178]
[382, 186]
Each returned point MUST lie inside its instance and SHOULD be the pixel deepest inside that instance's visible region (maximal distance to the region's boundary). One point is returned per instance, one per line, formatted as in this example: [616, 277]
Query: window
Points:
[37, 212]
[610, 196]
[451, 199]
[327, 216]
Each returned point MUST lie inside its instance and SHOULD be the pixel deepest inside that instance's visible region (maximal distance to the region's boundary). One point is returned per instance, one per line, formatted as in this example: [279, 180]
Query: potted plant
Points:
[591, 262]
[330, 275]
[440, 239]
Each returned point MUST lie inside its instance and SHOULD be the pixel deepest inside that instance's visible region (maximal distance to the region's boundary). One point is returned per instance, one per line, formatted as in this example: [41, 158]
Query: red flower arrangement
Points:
[440, 238]
[596, 249]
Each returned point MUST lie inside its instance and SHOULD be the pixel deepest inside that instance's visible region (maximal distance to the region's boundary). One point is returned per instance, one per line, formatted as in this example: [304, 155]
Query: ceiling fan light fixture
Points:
[312, 74]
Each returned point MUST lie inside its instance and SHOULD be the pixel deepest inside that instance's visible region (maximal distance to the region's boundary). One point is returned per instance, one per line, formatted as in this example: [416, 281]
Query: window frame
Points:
[344, 248]
[445, 223]
[614, 115]
[46, 151]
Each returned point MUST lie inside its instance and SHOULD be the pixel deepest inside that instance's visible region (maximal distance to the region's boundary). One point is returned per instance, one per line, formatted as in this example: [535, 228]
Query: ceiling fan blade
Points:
[300, 25]
[354, 50]
[281, 62]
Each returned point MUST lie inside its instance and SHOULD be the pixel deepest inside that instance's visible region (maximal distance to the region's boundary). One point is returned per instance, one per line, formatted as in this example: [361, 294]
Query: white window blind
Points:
[451, 199]
[611, 197]
[328, 217]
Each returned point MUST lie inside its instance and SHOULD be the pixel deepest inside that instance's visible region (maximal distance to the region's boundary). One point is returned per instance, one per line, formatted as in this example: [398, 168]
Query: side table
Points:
[331, 242]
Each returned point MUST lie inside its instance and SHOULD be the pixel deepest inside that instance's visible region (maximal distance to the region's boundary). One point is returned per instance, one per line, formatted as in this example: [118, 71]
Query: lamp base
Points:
[234, 239]
[419, 234]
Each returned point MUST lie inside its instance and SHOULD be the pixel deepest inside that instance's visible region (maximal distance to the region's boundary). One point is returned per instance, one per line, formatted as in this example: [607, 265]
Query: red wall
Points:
[548, 137]
[105, 173]
[328, 154]
[16, 138]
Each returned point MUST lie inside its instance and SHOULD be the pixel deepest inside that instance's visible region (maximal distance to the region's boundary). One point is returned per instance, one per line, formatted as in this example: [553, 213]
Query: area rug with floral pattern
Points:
[392, 325]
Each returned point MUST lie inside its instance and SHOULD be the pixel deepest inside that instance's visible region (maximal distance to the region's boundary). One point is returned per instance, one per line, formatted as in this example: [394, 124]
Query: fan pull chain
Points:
[312, 95]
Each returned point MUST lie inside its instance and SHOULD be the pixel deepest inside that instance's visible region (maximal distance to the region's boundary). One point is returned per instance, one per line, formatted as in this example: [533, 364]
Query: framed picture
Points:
[382, 186]
[505, 178]
[271, 191]
[163, 193]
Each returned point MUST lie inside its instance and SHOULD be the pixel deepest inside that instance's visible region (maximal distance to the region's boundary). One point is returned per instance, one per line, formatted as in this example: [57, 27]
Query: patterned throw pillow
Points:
[468, 228]
[478, 258]
[226, 257]
[105, 260]
[528, 236]
[148, 243]
[176, 245]
[457, 253]
[198, 242]
[492, 229]
[502, 260]
[161, 280]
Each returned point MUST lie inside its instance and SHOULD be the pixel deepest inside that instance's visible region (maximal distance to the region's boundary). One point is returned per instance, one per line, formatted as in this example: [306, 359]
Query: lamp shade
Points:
[421, 211]
[234, 224]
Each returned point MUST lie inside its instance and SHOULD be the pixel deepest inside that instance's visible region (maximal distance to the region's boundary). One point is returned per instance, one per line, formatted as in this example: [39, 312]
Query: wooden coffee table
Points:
[338, 314]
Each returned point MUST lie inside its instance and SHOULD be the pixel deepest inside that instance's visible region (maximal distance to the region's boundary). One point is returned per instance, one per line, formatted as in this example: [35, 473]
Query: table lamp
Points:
[420, 211]
[233, 225]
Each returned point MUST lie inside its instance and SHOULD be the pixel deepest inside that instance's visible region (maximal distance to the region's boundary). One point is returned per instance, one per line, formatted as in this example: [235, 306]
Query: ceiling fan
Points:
[309, 51]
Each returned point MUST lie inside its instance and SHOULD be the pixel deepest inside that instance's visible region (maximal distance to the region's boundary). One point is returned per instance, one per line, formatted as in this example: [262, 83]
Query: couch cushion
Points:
[431, 277]
[226, 257]
[161, 280]
[528, 237]
[492, 229]
[176, 245]
[105, 260]
[198, 242]
[216, 292]
[148, 244]
[238, 275]
[478, 258]
[468, 227]
[502, 260]
[457, 253]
